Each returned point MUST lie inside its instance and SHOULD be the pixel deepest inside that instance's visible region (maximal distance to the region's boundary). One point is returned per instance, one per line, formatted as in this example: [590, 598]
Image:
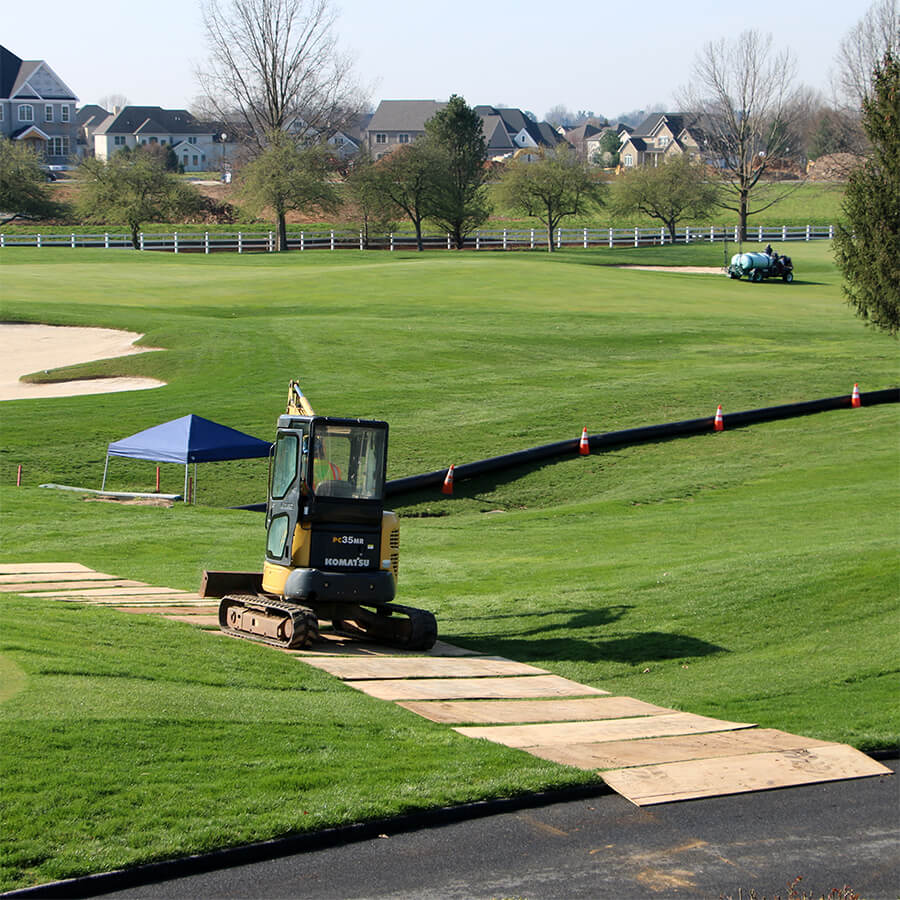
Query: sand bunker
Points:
[25, 349]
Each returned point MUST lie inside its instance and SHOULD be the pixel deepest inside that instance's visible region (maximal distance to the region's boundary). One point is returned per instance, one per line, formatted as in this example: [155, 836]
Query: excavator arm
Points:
[297, 404]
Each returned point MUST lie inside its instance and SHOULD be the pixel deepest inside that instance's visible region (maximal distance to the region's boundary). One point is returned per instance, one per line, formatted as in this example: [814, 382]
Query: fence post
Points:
[37, 243]
[478, 240]
[2, 241]
[558, 238]
[585, 239]
[784, 232]
[504, 238]
[175, 236]
[240, 243]
[736, 233]
[332, 239]
[392, 241]
[360, 240]
[206, 242]
[807, 232]
[610, 238]
[141, 240]
[532, 239]
[662, 235]
[106, 240]
[760, 234]
[636, 237]
[73, 239]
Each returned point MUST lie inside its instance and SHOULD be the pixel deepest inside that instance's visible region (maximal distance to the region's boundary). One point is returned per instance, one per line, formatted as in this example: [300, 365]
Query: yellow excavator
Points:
[332, 549]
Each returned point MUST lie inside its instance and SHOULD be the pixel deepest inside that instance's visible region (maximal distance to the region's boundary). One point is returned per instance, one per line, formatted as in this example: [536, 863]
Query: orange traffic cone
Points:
[448, 482]
[584, 447]
[720, 421]
[854, 400]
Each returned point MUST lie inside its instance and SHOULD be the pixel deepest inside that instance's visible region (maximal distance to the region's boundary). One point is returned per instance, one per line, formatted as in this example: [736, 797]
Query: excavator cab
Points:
[332, 549]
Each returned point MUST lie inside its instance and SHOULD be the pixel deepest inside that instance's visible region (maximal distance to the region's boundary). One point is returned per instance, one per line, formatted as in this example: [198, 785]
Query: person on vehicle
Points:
[323, 468]
[768, 250]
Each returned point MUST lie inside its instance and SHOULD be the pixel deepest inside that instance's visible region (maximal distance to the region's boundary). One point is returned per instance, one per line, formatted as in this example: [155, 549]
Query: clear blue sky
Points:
[583, 54]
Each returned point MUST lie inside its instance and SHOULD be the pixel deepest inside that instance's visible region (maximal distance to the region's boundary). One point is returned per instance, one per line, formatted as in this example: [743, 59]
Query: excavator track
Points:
[267, 620]
[403, 627]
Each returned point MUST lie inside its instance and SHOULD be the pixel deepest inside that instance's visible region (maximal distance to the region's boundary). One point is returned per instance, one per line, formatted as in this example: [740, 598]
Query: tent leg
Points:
[185, 496]
[105, 467]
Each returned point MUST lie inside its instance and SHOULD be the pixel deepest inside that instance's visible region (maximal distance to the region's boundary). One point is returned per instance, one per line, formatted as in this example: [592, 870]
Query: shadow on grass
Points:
[635, 650]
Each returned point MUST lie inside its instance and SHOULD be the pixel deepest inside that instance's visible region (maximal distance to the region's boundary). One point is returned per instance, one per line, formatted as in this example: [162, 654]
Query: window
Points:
[402, 138]
[287, 455]
[48, 113]
[64, 113]
[380, 138]
[59, 146]
[192, 140]
[664, 140]
[194, 160]
[1, 112]
[26, 112]
[629, 159]
[119, 140]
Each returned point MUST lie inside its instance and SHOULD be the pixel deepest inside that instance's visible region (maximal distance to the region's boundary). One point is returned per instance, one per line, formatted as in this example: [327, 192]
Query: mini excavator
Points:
[332, 549]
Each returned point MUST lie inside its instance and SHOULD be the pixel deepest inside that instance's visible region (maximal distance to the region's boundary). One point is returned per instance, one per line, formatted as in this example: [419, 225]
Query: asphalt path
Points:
[844, 833]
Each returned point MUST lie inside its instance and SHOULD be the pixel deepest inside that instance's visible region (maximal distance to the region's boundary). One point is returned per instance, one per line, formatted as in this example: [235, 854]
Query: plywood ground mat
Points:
[647, 753]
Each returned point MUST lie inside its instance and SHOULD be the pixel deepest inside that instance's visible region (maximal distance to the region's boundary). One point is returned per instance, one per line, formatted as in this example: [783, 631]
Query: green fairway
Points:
[750, 575]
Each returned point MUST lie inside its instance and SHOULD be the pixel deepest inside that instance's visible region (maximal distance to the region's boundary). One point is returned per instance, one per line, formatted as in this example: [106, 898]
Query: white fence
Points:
[506, 239]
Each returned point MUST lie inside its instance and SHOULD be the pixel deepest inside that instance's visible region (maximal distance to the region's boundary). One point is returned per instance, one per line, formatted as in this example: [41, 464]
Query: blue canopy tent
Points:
[190, 439]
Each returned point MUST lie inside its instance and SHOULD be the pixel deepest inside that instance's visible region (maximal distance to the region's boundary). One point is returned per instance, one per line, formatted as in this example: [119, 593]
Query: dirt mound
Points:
[833, 167]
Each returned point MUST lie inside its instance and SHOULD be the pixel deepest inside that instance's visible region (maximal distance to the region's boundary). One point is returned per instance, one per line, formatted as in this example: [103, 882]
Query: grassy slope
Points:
[748, 575]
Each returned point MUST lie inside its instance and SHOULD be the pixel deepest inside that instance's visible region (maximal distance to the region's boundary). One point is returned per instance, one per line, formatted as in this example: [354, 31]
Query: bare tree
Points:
[864, 46]
[111, 102]
[741, 97]
[276, 64]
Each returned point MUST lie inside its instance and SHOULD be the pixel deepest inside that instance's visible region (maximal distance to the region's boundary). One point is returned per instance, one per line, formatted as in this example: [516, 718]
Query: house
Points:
[507, 130]
[398, 122]
[87, 120]
[38, 108]
[660, 136]
[579, 137]
[198, 146]
[594, 150]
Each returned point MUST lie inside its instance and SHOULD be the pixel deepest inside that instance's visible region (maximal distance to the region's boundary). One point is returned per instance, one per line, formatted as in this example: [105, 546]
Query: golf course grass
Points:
[751, 574]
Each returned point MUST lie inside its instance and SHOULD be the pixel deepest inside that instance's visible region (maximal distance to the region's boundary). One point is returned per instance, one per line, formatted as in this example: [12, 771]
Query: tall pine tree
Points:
[867, 245]
[459, 202]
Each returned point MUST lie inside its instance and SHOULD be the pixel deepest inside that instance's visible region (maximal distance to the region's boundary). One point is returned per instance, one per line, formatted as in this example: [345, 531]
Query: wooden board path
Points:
[647, 753]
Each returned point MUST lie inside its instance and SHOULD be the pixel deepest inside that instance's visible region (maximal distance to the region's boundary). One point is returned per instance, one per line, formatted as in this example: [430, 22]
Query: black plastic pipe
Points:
[630, 436]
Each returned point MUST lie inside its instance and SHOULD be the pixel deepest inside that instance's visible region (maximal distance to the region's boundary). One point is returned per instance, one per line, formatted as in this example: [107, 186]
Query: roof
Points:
[15, 74]
[155, 120]
[90, 113]
[403, 115]
[515, 121]
[189, 439]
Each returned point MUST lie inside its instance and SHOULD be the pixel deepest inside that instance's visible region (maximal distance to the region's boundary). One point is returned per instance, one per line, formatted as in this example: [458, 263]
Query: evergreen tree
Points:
[456, 136]
[867, 245]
